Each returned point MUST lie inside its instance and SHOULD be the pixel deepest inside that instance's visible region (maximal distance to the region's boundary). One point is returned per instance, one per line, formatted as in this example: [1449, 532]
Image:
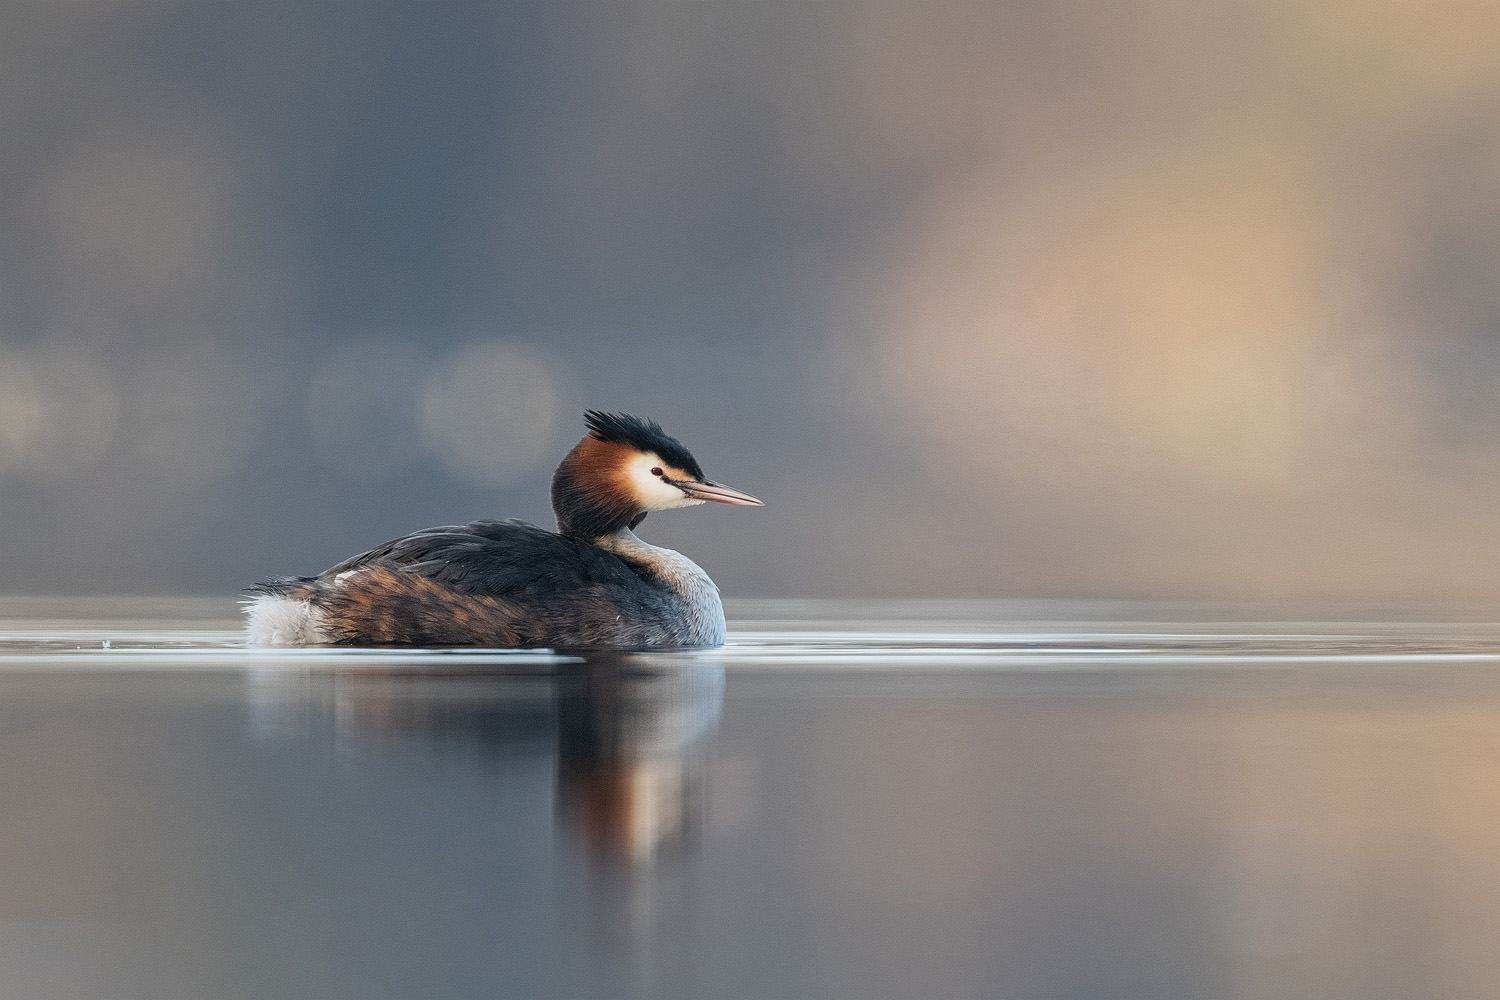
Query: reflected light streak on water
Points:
[848, 800]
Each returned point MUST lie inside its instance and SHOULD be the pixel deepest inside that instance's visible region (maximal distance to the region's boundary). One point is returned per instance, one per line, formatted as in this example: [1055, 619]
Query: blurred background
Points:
[1074, 298]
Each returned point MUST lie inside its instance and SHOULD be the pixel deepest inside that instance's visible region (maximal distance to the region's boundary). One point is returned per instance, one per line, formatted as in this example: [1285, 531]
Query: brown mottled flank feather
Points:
[381, 605]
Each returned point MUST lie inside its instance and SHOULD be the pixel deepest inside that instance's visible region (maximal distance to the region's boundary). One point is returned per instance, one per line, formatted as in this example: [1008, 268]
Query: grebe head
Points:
[625, 468]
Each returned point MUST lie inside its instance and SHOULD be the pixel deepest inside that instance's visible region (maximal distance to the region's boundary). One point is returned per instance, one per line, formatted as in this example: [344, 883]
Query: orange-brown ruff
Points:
[591, 583]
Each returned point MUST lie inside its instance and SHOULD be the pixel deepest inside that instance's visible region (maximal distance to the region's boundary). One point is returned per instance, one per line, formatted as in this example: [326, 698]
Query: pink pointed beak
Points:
[704, 490]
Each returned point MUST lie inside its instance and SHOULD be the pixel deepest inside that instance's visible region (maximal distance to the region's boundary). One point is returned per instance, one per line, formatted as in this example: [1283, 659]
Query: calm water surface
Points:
[1010, 799]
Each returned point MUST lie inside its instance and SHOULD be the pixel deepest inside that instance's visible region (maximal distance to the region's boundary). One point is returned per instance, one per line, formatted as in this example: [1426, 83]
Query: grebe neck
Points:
[703, 612]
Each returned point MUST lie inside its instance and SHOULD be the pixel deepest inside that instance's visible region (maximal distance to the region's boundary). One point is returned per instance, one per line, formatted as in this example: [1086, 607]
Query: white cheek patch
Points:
[652, 492]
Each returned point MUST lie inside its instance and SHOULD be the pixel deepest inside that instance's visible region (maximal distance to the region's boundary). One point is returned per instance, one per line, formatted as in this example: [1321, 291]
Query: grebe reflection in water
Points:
[630, 739]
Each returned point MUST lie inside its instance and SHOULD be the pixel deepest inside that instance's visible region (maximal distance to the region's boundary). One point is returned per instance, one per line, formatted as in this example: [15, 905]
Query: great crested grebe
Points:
[509, 583]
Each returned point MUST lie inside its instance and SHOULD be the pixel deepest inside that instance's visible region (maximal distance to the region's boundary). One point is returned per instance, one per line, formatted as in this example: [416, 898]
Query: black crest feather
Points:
[646, 435]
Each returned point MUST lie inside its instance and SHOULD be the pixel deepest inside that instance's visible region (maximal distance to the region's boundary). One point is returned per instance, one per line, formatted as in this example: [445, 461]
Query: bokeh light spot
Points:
[58, 410]
[489, 410]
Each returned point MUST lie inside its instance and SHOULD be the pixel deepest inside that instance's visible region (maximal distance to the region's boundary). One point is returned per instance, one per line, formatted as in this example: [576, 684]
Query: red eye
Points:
[656, 472]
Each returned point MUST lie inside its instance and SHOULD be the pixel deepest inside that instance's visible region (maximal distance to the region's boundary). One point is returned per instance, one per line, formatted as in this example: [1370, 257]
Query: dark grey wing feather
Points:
[510, 559]
[394, 551]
